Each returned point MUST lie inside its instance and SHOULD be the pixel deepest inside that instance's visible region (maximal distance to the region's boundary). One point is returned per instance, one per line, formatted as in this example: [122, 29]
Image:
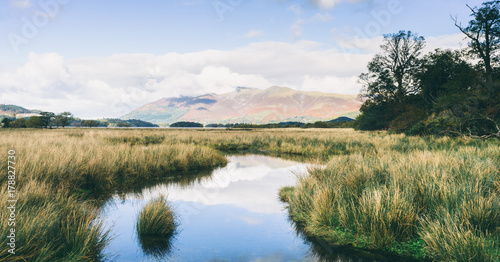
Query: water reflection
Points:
[232, 215]
[155, 247]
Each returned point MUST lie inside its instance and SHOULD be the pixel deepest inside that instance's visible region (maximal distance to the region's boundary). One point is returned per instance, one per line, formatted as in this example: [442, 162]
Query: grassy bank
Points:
[420, 197]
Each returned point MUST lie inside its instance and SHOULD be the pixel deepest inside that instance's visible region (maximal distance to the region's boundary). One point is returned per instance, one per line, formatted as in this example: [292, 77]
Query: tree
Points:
[35, 122]
[390, 84]
[63, 119]
[47, 119]
[391, 74]
[483, 32]
[446, 80]
[19, 123]
[186, 124]
[90, 123]
[6, 122]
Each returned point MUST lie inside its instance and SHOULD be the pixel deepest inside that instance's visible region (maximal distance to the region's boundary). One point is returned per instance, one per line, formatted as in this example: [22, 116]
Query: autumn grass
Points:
[52, 226]
[156, 219]
[433, 198]
[155, 226]
[423, 197]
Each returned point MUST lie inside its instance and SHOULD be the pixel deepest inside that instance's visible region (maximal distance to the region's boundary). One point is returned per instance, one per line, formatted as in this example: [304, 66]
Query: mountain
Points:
[250, 105]
[16, 111]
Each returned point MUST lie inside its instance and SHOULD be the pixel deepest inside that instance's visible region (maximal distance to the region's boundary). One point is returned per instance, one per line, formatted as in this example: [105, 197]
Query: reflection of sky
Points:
[234, 215]
[249, 182]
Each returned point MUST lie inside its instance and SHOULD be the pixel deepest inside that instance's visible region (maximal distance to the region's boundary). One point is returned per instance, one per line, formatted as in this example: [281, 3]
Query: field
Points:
[435, 198]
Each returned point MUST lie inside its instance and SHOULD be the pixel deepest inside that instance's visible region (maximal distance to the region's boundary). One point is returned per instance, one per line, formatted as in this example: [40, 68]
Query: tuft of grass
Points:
[285, 193]
[156, 219]
[155, 227]
[449, 240]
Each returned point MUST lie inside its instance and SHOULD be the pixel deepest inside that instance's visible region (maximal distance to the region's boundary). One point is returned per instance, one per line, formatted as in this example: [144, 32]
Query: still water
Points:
[234, 214]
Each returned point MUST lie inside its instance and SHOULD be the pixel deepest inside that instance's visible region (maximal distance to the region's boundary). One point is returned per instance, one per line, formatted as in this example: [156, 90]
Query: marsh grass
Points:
[440, 191]
[53, 226]
[155, 227]
[378, 191]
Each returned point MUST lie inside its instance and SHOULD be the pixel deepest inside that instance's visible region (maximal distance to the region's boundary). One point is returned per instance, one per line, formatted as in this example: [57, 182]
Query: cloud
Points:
[296, 28]
[254, 34]
[21, 3]
[112, 86]
[328, 4]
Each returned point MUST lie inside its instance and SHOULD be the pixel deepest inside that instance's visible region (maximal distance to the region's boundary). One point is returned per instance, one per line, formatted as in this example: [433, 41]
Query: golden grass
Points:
[377, 189]
[405, 191]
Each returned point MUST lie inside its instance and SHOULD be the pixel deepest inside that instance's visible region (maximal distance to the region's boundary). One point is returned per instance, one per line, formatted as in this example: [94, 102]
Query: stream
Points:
[232, 214]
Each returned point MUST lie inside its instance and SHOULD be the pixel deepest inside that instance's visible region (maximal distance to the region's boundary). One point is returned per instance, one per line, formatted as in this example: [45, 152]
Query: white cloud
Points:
[454, 41]
[327, 4]
[115, 85]
[254, 34]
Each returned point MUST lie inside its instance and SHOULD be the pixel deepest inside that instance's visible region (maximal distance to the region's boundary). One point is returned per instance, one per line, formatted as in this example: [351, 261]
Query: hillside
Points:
[16, 111]
[249, 105]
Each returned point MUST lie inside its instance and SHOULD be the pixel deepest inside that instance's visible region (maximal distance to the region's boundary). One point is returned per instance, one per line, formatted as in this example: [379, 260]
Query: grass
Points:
[52, 226]
[155, 227]
[434, 198]
[156, 219]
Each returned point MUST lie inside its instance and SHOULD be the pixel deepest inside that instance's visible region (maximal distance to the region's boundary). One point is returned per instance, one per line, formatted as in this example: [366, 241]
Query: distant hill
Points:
[250, 105]
[17, 111]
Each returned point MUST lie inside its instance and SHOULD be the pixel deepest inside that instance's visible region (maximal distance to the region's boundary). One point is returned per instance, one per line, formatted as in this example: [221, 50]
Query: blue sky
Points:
[103, 58]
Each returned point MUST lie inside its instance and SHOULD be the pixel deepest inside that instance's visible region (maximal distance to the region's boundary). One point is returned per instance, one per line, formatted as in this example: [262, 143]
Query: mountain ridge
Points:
[249, 105]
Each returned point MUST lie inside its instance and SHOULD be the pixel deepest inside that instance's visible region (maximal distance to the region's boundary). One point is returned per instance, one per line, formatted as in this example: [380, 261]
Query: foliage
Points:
[19, 123]
[35, 122]
[444, 93]
[186, 124]
[48, 119]
[63, 119]
[90, 123]
[6, 122]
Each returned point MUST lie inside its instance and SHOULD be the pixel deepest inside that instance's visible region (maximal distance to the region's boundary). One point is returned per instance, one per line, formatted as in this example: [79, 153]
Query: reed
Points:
[377, 190]
[156, 219]
[52, 226]
[155, 227]
[398, 198]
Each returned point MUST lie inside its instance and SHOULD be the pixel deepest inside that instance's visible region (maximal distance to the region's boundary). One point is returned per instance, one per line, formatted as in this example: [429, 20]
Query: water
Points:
[234, 214]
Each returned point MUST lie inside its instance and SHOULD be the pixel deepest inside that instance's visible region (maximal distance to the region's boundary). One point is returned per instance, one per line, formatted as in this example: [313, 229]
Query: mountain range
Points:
[250, 105]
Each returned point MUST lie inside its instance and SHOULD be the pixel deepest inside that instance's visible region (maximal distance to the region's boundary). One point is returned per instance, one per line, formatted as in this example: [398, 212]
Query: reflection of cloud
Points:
[252, 221]
[250, 182]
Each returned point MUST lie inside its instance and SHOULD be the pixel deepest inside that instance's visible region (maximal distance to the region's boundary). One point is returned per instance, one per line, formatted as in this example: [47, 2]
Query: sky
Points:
[105, 58]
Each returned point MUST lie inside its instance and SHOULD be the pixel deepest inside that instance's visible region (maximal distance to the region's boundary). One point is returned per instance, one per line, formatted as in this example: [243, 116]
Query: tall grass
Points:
[52, 226]
[155, 227]
[156, 219]
[437, 197]
[378, 191]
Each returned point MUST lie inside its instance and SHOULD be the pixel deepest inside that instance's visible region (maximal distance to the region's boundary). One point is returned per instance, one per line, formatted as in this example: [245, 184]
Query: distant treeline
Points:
[341, 122]
[50, 120]
[445, 92]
